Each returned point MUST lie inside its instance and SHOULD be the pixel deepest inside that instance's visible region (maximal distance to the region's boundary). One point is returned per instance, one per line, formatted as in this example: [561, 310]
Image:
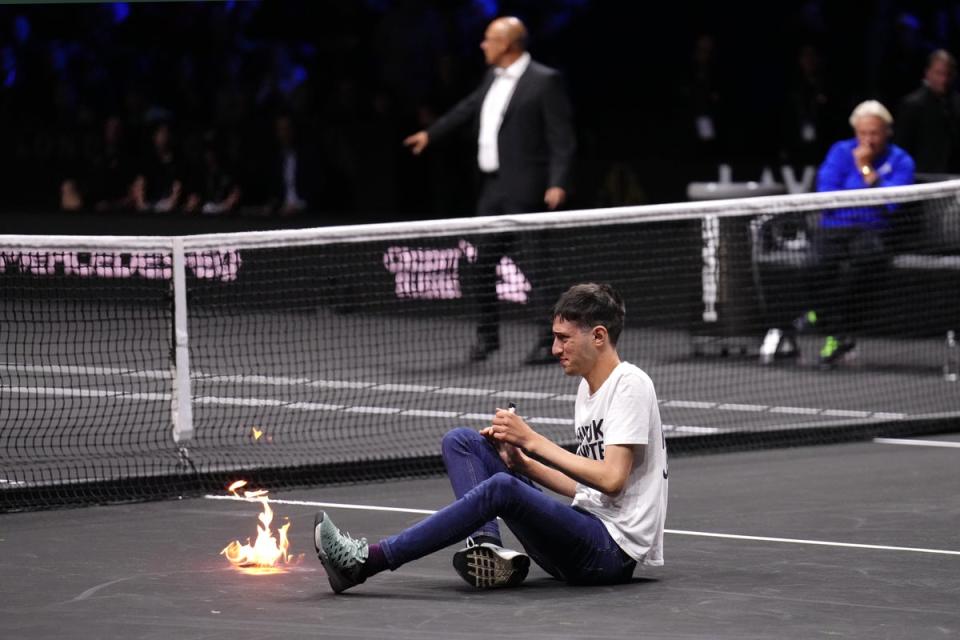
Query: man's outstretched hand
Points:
[417, 142]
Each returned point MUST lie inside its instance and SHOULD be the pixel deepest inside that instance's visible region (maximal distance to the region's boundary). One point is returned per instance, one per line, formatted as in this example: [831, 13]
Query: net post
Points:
[181, 405]
[710, 273]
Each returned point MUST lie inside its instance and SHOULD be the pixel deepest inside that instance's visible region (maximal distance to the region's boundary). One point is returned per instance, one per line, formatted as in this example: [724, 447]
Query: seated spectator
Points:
[928, 121]
[215, 190]
[162, 173]
[70, 197]
[106, 182]
[851, 243]
[113, 169]
[866, 160]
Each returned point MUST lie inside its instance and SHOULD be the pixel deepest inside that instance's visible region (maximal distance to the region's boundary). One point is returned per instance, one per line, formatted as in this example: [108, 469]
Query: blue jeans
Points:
[569, 544]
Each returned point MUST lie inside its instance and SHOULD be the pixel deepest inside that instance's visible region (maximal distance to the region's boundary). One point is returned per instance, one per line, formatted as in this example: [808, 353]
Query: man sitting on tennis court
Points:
[617, 478]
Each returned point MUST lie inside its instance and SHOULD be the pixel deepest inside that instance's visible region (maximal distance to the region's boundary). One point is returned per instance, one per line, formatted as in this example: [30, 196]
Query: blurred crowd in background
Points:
[196, 108]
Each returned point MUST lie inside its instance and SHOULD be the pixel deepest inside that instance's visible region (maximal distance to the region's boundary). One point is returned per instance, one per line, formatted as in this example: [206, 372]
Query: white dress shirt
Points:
[491, 113]
[291, 198]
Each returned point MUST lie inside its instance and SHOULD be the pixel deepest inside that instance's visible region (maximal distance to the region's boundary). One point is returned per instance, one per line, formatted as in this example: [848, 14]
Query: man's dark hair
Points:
[589, 305]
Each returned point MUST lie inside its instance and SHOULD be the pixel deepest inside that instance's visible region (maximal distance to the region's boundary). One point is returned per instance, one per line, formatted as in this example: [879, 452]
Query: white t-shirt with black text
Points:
[624, 411]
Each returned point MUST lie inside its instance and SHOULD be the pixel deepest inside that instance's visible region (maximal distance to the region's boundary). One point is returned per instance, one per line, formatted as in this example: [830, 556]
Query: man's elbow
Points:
[618, 464]
[613, 486]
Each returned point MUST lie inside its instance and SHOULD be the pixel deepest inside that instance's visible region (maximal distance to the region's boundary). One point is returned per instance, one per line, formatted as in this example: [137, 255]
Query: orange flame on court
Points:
[265, 554]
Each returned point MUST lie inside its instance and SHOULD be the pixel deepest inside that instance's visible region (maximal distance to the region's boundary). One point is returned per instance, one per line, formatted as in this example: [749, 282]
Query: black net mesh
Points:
[85, 368]
[345, 354]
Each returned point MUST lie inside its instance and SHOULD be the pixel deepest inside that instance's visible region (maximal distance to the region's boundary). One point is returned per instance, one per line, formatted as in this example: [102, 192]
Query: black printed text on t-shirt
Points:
[591, 440]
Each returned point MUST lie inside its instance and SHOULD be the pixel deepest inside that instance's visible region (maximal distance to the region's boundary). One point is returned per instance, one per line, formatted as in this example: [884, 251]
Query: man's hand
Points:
[554, 197]
[507, 427]
[863, 155]
[513, 457]
[417, 142]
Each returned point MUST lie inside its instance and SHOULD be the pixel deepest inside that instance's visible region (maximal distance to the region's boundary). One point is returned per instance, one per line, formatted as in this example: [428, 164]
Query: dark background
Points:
[357, 77]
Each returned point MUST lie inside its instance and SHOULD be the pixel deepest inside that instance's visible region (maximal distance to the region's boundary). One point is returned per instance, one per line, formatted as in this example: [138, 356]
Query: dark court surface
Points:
[152, 570]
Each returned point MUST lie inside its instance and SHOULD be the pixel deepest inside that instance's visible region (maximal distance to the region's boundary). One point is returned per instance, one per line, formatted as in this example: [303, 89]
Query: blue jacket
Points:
[839, 172]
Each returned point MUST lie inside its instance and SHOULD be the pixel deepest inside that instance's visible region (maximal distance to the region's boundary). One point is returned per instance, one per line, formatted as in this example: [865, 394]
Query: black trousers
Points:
[849, 276]
[493, 200]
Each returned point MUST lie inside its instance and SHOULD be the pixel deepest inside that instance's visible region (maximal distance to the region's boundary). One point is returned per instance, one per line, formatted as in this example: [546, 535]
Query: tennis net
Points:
[139, 367]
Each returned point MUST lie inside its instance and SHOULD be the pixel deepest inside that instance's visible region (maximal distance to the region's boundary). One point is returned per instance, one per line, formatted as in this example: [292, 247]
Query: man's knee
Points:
[504, 484]
[459, 440]
[505, 493]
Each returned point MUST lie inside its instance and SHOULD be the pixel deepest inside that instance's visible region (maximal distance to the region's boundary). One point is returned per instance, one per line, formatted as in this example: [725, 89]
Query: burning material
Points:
[260, 435]
[265, 554]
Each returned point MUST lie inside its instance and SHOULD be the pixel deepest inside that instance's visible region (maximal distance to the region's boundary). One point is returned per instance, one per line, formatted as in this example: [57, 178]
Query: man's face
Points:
[284, 131]
[574, 346]
[161, 137]
[872, 133]
[495, 43]
[938, 76]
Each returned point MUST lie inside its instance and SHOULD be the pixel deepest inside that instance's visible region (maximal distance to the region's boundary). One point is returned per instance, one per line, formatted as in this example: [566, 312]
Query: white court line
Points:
[86, 370]
[68, 392]
[475, 416]
[428, 413]
[326, 505]
[681, 532]
[266, 402]
[542, 420]
[374, 410]
[465, 391]
[821, 543]
[408, 388]
[891, 416]
[846, 413]
[314, 406]
[803, 411]
[743, 407]
[279, 381]
[285, 381]
[686, 428]
[688, 404]
[919, 443]
[361, 409]
[532, 395]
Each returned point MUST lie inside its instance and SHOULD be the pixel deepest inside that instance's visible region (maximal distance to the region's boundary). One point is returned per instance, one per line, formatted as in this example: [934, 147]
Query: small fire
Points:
[259, 435]
[264, 556]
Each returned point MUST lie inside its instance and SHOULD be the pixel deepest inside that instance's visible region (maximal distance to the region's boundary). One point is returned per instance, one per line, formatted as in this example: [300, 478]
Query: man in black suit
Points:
[928, 121]
[525, 146]
[293, 175]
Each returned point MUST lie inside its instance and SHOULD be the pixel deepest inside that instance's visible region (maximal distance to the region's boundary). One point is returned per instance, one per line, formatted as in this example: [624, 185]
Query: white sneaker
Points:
[487, 566]
[771, 342]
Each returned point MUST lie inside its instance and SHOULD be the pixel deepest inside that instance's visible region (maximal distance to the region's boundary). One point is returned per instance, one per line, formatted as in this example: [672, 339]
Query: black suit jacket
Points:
[928, 127]
[536, 142]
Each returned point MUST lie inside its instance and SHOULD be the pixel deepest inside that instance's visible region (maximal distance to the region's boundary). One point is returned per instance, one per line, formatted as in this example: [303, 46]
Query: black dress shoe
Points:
[540, 354]
[481, 351]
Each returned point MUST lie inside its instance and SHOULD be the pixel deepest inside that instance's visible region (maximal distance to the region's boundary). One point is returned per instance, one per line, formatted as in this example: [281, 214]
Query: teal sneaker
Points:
[341, 555]
[487, 565]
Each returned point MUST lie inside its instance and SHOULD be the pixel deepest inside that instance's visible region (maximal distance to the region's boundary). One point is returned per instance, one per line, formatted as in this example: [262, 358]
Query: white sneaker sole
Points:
[486, 566]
